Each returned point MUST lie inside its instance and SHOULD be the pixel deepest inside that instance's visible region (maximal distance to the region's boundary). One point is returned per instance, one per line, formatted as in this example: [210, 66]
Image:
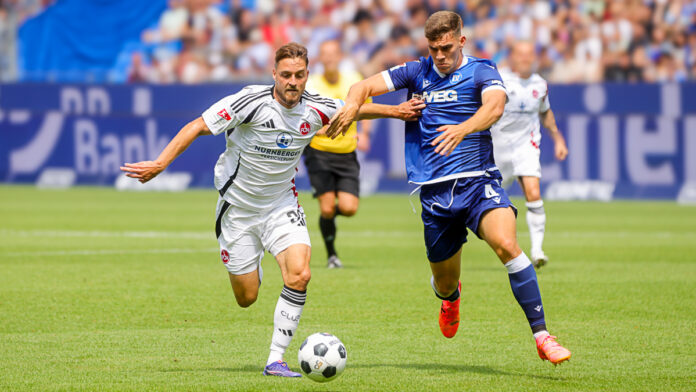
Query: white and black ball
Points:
[322, 357]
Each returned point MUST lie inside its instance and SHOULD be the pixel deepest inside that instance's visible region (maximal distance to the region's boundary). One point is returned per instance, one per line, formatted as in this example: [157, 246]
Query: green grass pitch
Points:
[101, 290]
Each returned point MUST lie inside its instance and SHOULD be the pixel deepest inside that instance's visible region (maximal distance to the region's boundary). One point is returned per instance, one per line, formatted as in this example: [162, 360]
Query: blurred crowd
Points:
[198, 41]
[577, 41]
[12, 14]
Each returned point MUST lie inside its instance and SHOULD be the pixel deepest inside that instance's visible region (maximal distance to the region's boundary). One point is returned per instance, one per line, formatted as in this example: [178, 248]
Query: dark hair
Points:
[441, 23]
[291, 51]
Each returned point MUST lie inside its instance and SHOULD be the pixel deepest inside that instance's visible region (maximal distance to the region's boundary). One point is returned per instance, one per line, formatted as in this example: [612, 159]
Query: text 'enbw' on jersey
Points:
[264, 143]
[449, 99]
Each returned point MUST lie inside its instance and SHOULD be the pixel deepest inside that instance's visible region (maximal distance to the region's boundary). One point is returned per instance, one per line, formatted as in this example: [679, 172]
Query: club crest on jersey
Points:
[225, 256]
[284, 140]
[535, 94]
[223, 113]
[304, 128]
[440, 96]
[455, 77]
[426, 83]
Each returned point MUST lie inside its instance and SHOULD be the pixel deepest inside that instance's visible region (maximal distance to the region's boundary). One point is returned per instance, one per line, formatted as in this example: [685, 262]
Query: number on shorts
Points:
[490, 192]
[297, 217]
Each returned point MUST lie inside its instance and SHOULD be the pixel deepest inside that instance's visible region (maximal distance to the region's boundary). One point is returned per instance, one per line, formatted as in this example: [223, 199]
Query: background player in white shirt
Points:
[517, 137]
[266, 129]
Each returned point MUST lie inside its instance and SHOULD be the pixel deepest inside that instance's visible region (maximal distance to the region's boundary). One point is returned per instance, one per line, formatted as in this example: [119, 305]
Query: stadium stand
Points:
[194, 41]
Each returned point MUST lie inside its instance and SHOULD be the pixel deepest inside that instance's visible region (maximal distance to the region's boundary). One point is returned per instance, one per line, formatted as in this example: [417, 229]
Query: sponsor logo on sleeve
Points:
[223, 113]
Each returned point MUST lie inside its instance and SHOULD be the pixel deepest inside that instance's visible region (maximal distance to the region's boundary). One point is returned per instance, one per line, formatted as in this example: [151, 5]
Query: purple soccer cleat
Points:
[279, 369]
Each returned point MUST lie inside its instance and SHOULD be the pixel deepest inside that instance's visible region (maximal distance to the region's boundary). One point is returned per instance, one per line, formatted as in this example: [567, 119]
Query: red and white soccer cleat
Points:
[449, 316]
[549, 349]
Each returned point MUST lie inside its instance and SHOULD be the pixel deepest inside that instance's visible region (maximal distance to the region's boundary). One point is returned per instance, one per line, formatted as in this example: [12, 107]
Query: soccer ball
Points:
[322, 357]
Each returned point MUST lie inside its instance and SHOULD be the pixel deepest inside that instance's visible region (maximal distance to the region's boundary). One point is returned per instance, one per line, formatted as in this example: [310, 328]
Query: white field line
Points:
[210, 235]
[102, 252]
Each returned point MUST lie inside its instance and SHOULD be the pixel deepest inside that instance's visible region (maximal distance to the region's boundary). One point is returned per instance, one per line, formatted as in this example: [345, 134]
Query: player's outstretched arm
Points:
[548, 120]
[406, 111]
[492, 107]
[358, 93]
[146, 170]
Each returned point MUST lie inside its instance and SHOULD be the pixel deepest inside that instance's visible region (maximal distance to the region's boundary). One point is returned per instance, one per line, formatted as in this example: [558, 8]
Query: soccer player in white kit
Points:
[516, 138]
[266, 130]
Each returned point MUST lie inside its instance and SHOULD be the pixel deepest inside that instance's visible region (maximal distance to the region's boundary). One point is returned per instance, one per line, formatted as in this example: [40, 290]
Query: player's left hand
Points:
[340, 122]
[561, 150]
[144, 171]
[411, 109]
[449, 138]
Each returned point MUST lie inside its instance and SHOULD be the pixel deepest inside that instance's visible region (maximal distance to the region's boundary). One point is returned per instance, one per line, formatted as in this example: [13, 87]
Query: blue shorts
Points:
[450, 207]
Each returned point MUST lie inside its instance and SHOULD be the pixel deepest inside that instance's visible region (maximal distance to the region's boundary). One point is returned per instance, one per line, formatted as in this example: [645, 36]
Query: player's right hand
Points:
[341, 121]
[144, 171]
[561, 151]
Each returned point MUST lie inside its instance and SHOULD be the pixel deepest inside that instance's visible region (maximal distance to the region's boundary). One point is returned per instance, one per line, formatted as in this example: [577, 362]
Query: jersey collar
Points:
[442, 75]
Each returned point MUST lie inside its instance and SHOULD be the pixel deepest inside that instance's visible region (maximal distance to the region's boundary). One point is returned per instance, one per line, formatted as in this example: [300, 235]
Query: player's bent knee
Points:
[507, 249]
[327, 211]
[446, 286]
[349, 210]
[533, 195]
[246, 299]
[300, 280]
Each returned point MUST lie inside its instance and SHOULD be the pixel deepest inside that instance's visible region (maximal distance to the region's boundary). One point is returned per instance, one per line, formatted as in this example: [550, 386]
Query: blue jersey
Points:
[450, 99]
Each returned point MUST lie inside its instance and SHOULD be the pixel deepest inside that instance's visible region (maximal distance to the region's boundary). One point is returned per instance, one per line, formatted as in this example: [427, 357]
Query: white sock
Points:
[540, 333]
[518, 264]
[285, 320]
[536, 220]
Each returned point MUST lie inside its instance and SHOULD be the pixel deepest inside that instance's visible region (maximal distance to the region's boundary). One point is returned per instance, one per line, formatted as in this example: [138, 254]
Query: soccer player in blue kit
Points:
[449, 154]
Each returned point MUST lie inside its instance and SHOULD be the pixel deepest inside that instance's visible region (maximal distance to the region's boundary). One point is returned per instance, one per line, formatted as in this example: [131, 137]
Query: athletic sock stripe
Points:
[292, 301]
[295, 297]
[286, 288]
[298, 297]
[218, 221]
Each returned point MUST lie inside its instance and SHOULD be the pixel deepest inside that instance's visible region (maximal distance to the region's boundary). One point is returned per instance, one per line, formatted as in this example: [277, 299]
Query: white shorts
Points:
[244, 235]
[521, 160]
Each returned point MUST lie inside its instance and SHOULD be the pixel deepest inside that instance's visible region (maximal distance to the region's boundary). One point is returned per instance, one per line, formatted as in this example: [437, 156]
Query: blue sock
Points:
[523, 281]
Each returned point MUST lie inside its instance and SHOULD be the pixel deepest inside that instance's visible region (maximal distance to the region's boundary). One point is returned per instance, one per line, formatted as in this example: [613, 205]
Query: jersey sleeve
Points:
[221, 116]
[400, 76]
[545, 103]
[324, 109]
[486, 77]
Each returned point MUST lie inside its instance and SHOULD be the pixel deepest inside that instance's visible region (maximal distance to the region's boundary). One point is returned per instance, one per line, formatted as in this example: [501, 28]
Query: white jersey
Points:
[520, 121]
[264, 143]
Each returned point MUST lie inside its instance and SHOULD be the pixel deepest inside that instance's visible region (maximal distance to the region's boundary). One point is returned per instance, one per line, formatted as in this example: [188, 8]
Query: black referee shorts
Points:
[332, 172]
